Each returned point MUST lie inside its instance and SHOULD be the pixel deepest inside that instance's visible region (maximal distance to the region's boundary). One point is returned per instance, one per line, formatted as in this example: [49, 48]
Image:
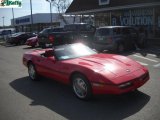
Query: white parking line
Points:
[153, 55]
[145, 64]
[145, 58]
[157, 65]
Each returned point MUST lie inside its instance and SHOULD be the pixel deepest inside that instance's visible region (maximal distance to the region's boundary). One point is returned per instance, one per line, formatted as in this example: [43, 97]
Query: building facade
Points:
[141, 13]
[41, 21]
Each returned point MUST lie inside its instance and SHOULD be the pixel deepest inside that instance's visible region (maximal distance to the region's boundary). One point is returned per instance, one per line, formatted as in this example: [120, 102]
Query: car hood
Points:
[115, 64]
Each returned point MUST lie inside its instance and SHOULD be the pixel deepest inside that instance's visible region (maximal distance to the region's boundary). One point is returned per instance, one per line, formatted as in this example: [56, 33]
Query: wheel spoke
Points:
[32, 72]
[80, 87]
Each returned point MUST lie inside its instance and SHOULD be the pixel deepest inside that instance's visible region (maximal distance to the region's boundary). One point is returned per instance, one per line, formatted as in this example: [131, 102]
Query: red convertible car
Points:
[88, 72]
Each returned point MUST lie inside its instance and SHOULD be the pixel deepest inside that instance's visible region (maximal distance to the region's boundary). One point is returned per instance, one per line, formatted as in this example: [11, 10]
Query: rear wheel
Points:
[81, 87]
[32, 72]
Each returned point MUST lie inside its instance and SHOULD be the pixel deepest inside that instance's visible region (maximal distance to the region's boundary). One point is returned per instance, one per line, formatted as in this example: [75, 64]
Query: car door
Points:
[54, 69]
[43, 35]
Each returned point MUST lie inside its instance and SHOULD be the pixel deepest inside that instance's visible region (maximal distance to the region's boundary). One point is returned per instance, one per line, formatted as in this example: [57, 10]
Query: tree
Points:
[61, 6]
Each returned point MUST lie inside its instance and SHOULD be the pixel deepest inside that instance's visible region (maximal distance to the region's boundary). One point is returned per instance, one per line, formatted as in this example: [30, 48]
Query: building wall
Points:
[42, 20]
[148, 18]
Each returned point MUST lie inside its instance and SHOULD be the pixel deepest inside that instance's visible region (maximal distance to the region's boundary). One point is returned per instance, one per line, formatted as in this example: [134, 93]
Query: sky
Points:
[38, 6]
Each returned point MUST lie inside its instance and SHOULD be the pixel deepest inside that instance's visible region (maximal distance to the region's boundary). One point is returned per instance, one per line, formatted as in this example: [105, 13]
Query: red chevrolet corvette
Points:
[88, 72]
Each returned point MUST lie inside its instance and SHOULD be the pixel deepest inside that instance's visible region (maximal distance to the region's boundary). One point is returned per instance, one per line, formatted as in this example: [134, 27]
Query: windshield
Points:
[72, 51]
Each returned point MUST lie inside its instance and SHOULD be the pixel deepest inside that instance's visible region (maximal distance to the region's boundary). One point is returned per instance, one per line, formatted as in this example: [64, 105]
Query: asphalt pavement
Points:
[23, 99]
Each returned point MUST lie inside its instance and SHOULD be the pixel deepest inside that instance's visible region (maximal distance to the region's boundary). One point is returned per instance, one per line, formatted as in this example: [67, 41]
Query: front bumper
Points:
[125, 87]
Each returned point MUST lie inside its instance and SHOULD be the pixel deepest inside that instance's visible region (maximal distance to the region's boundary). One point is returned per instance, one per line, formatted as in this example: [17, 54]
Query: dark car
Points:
[72, 33]
[81, 32]
[44, 34]
[116, 38]
[20, 38]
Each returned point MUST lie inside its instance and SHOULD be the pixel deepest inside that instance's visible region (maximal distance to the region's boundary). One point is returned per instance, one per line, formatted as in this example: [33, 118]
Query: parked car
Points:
[77, 32]
[88, 72]
[33, 41]
[20, 38]
[116, 38]
[5, 33]
[44, 34]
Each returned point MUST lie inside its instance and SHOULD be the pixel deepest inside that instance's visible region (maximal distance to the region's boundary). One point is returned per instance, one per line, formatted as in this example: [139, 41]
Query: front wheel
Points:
[32, 72]
[81, 87]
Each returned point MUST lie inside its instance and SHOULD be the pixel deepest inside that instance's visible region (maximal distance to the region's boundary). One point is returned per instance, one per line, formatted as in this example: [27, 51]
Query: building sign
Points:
[104, 2]
[10, 3]
[22, 21]
[133, 17]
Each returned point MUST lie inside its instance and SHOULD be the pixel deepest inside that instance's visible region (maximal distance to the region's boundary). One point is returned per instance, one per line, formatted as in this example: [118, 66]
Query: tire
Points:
[81, 87]
[32, 72]
[120, 48]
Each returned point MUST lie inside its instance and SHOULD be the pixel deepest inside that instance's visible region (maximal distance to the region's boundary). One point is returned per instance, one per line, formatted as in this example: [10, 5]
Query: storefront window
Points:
[133, 17]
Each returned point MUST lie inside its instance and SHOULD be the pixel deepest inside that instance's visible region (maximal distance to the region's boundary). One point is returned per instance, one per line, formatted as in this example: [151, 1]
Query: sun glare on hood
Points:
[109, 67]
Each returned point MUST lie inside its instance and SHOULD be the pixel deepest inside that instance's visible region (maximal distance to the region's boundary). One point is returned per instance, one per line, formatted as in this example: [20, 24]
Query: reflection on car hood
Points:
[116, 64]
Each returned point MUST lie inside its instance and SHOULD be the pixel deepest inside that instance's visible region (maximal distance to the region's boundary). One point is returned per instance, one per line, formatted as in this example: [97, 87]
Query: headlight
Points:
[124, 85]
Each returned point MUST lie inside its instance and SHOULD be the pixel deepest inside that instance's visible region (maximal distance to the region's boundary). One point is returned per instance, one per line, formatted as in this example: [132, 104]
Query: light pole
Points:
[31, 16]
[50, 2]
[3, 22]
[13, 16]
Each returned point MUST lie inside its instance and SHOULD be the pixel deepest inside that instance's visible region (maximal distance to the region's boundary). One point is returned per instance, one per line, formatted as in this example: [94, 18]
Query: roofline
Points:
[116, 8]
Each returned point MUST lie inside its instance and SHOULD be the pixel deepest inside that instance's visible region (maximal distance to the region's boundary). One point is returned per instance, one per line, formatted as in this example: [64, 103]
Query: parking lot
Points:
[22, 99]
